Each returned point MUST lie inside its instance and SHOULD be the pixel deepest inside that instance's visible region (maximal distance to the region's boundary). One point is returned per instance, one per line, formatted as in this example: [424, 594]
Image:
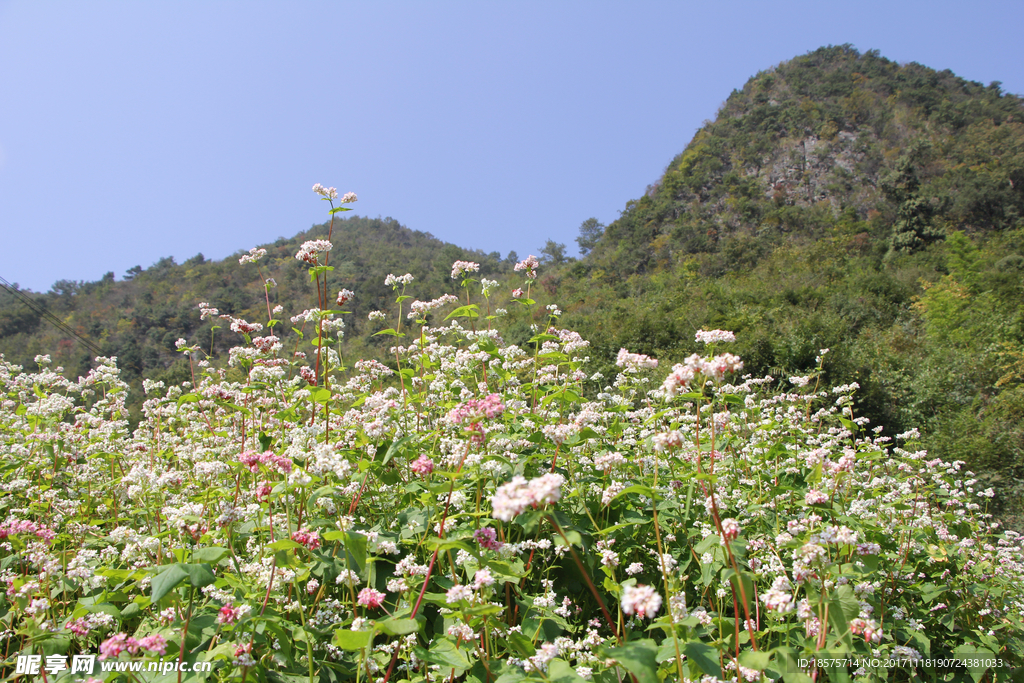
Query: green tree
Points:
[591, 231]
[553, 252]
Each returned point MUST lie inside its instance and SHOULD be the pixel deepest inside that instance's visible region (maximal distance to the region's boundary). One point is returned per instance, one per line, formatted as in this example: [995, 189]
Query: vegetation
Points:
[471, 515]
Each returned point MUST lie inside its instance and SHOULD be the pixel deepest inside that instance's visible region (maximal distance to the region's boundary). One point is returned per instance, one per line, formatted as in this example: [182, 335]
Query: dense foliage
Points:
[471, 515]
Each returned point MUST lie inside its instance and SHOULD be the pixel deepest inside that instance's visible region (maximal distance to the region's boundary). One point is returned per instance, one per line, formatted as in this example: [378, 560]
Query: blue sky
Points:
[130, 131]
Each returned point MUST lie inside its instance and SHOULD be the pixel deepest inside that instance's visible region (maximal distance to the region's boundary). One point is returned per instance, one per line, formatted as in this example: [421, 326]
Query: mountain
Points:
[841, 201]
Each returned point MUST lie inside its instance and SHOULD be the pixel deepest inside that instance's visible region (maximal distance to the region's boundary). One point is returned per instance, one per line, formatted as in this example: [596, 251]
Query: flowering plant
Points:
[481, 510]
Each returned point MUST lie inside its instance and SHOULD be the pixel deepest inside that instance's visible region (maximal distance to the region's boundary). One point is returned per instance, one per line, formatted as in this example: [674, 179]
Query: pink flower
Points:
[155, 644]
[79, 626]
[310, 539]
[371, 598]
[517, 294]
[514, 497]
[487, 538]
[815, 497]
[529, 264]
[641, 600]
[344, 296]
[227, 615]
[730, 529]
[475, 410]
[115, 645]
[422, 466]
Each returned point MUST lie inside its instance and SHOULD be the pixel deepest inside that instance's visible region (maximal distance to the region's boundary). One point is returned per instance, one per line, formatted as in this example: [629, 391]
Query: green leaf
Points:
[755, 659]
[391, 332]
[338, 209]
[166, 581]
[199, 575]
[704, 656]
[284, 544]
[211, 554]
[639, 657]
[470, 311]
[399, 627]
[559, 671]
[446, 653]
[975, 656]
[348, 639]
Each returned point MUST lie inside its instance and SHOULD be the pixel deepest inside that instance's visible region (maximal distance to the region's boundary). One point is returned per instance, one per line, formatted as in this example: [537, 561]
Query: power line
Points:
[49, 317]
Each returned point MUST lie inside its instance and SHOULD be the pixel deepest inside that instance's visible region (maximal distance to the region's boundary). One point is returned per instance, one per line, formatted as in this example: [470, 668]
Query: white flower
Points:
[641, 600]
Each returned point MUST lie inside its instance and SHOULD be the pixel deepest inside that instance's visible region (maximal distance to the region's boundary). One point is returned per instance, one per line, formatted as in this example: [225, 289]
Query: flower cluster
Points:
[253, 256]
[519, 494]
[529, 264]
[461, 268]
[311, 249]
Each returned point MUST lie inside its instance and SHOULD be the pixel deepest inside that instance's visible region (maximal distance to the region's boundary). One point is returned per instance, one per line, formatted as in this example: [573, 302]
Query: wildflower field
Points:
[481, 511]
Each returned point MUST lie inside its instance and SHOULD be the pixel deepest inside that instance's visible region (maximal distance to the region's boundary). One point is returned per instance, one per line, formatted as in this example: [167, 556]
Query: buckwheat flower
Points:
[529, 264]
[312, 585]
[278, 309]
[800, 381]
[393, 280]
[154, 644]
[80, 627]
[714, 336]
[460, 268]
[344, 296]
[517, 294]
[546, 489]
[680, 377]
[487, 538]
[371, 598]
[667, 440]
[717, 367]
[483, 577]
[310, 539]
[422, 465]
[635, 362]
[116, 644]
[325, 192]
[311, 249]
[730, 529]
[461, 631]
[458, 593]
[253, 256]
[487, 286]
[641, 600]
[815, 497]
[377, 315]
[179, 344]
[514, 497]
[778, 601]
[228, 614]
[349, 197]
[634, 569]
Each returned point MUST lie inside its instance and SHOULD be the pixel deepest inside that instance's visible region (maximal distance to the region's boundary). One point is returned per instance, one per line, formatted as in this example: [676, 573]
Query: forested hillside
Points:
[140, 318]
[839, 200]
